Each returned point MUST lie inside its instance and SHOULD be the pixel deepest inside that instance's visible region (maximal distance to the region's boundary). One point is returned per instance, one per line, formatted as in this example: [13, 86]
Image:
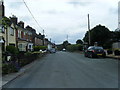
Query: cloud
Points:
[62, 17]
[15, 4]
[78, 3]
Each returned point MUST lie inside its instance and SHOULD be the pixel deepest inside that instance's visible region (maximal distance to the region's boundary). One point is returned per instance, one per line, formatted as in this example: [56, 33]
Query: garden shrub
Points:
[37, 48]
[109, 51]
[12, 50]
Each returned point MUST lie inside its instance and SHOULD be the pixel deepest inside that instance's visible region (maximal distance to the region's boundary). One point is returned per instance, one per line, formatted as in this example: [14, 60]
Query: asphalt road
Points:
[69, 70]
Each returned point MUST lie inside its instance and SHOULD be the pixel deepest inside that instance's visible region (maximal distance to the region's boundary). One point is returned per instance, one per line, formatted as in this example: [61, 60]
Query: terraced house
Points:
[7, 29]
[16, 34]
[9, 35]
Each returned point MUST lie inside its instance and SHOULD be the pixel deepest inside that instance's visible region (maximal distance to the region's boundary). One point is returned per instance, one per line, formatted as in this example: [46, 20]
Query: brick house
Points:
[24, 38]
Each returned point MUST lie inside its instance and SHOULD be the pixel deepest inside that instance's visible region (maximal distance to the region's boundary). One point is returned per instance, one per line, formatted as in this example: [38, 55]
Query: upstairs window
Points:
[19, 34]
[2, 29]
[11, 31]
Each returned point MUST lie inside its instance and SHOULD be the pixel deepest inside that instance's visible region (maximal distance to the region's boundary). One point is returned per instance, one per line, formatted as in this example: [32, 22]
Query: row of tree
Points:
[71, 47]
[103, 36]
[100, 34]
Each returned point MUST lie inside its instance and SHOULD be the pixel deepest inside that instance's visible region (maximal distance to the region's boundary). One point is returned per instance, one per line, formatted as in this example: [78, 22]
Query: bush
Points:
[37, 48]
[74, 47]
[12, 49]
[117, 52]
[8, 68]
[80, 47]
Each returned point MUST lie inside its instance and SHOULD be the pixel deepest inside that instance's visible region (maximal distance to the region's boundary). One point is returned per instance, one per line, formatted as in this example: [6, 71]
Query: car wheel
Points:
[91, 55]
[85, 54]
[104, 56]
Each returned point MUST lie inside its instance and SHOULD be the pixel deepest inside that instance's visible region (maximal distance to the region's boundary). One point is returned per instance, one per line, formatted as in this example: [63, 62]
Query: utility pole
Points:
[89, 30]
[43, 31]
[67, 37]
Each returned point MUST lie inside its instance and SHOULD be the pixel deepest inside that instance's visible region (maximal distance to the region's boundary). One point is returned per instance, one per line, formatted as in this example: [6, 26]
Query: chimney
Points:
[21, 24]
[14, 19]
[2, 9]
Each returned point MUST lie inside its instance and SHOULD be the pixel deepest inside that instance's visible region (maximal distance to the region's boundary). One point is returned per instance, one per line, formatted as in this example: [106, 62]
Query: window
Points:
[29, 46]
[11, 31]
[19, 34]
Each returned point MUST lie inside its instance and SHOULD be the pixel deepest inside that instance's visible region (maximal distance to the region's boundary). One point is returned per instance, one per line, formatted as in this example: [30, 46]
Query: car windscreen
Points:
[98, 47]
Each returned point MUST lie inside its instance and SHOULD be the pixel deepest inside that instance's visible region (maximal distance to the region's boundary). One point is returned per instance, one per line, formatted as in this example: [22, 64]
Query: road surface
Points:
[69, 70]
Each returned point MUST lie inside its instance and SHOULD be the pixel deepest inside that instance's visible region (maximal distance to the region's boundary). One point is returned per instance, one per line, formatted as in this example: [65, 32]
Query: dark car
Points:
[94, 51]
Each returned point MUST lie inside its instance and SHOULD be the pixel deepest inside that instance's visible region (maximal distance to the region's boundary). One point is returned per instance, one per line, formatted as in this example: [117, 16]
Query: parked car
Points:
[53, 50]
[94, 51]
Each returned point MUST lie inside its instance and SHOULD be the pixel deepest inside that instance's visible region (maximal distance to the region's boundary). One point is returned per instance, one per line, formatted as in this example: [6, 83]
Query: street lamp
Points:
[1, 41]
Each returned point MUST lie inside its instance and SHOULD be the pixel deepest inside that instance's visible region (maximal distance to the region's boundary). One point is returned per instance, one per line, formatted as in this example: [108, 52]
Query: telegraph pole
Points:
[89, 30]
[67, 37]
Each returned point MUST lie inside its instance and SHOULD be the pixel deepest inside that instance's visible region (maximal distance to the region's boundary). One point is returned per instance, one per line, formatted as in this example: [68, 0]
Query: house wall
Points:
[9, 39]
[38, 42]
[116, 45]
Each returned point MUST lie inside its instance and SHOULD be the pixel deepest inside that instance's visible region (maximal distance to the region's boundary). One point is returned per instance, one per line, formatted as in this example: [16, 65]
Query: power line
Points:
[32, 15]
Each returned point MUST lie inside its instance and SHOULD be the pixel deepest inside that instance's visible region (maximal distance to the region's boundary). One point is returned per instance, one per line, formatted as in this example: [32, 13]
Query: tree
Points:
[100, 34]
[79, 41]
[5, 22]
[116, 36]
[65, 44]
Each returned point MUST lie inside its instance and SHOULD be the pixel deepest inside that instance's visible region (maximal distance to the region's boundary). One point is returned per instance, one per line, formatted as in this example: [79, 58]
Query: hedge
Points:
[75, 47]
[37, 48]
[12, 49]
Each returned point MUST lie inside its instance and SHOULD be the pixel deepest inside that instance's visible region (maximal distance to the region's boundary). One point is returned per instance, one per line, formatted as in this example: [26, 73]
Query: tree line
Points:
[100, 34]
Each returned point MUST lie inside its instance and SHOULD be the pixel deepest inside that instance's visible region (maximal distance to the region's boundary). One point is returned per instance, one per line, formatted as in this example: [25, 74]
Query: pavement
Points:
[65, 70]
[12, 76]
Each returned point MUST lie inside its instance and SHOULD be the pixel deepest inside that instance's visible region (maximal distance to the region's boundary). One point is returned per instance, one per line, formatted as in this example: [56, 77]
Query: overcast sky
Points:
[62, 17]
